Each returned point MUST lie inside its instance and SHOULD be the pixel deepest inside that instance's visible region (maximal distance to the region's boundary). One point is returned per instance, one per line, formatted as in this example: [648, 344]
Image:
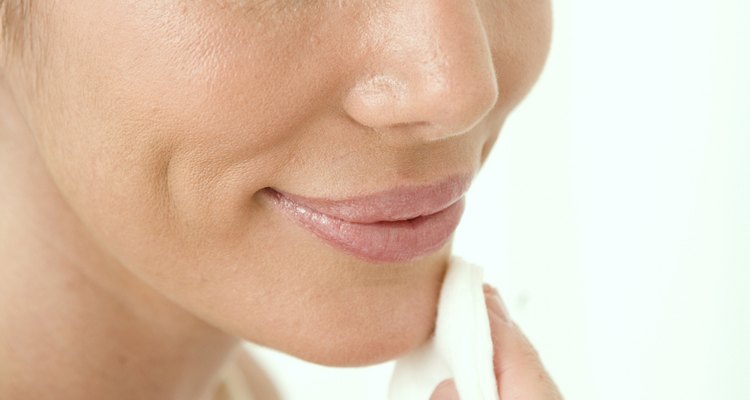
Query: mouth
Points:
[397, 225]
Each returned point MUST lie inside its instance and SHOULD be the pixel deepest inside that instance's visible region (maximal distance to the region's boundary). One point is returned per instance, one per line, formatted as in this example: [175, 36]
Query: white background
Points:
[614, 212]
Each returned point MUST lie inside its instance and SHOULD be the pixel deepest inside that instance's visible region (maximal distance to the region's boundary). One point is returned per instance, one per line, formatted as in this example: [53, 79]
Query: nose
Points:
[426, 72]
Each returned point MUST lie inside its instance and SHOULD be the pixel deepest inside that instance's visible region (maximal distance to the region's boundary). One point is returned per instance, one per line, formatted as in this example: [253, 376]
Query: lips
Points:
[400, 224]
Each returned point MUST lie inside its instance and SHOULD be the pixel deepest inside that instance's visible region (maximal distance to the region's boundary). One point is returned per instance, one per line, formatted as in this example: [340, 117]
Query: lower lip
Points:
[384, 242]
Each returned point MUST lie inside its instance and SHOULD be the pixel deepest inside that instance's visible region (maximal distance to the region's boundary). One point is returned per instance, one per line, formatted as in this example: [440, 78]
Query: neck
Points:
[74, 322]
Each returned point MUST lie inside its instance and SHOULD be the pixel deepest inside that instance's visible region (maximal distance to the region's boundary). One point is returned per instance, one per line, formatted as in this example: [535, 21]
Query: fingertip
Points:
[446, 390]
[495, 304]
[519, 368]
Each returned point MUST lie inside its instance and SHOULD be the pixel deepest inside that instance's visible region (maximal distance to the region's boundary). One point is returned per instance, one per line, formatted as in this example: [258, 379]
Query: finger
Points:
[518, 368]
[446, 390]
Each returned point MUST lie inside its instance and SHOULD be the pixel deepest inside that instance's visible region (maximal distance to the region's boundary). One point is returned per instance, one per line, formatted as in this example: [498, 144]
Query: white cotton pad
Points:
[460, 349]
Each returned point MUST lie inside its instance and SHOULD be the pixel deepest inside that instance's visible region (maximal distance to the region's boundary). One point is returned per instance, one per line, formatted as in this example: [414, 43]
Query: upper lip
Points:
[396, 204]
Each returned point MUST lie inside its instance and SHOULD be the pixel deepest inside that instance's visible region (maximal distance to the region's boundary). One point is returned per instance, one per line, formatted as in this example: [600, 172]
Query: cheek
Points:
[160, 116]
[520, 34]
[160, 129]
[158, 125]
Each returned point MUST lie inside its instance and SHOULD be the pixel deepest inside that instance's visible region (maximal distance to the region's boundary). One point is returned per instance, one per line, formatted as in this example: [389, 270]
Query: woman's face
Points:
[162, 122]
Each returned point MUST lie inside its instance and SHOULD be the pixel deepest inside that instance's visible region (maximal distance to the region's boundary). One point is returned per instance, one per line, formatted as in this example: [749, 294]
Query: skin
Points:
[135, 137]
[519, 371]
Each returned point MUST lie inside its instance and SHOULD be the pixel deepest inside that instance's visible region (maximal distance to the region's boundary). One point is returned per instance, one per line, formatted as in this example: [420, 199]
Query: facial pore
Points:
[161, 123]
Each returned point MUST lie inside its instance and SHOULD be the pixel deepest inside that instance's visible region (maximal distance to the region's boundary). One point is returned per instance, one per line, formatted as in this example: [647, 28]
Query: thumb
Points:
[519, 370]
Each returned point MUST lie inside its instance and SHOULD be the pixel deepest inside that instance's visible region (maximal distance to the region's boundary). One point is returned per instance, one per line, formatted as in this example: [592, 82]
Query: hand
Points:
[518, 369]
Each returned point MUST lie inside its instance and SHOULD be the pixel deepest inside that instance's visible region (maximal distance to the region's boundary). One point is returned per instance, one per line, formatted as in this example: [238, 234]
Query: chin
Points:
[366, 324]
[356, 347]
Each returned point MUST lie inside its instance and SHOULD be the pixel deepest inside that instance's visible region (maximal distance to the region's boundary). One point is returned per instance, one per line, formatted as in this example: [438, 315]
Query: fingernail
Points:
[495, 303]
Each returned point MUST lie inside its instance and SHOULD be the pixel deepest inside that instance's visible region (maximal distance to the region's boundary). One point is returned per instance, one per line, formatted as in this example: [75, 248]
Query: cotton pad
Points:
[461, 347]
